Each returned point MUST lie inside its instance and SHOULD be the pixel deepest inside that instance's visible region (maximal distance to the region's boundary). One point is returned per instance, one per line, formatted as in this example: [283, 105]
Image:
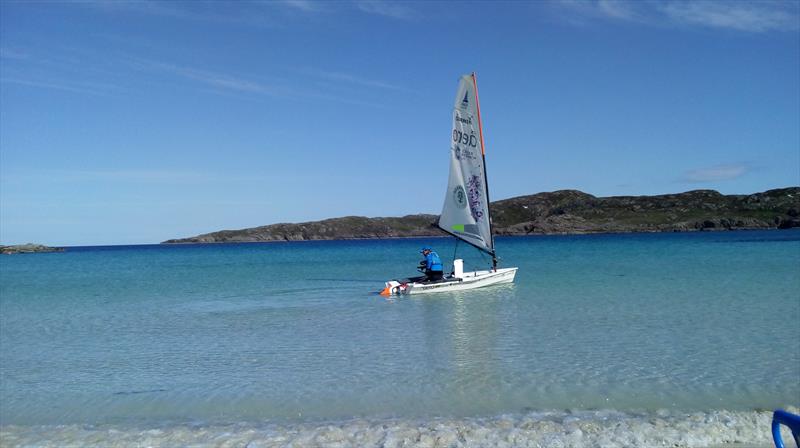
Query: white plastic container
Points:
[458, 268]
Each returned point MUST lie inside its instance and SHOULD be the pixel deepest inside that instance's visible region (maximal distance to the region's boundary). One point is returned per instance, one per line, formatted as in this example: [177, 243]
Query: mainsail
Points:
[465, 213]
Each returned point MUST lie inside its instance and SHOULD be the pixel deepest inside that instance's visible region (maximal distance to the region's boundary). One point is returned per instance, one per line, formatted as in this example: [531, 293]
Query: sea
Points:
[616, 340]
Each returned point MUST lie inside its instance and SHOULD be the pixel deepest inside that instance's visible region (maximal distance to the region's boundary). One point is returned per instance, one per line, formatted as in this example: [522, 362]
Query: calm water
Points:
[293, 335]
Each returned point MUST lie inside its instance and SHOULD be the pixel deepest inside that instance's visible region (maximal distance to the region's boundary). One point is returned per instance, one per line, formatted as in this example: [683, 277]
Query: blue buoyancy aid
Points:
[433, 262]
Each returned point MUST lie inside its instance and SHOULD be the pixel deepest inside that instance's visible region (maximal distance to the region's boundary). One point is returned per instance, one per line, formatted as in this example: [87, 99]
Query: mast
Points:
[485, 176]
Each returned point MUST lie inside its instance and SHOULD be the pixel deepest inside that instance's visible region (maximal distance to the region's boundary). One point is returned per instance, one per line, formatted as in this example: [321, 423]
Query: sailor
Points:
[431, 265]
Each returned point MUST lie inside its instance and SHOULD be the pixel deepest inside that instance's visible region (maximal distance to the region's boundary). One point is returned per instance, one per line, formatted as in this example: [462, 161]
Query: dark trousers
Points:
[433, 276]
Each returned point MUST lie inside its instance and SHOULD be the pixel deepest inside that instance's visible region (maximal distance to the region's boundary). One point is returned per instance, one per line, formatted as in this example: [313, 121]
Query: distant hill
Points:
[558, 212]
[28, 248]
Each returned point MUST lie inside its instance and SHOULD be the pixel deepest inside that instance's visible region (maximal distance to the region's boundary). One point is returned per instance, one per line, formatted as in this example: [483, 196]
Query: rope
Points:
[455, 249]
[483, 257]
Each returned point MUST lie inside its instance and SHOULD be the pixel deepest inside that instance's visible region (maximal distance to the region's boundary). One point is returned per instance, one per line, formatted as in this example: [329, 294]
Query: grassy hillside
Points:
[559, 212]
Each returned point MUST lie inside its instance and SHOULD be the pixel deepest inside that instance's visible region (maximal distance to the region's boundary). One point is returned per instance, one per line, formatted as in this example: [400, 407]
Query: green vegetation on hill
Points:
[559, 212]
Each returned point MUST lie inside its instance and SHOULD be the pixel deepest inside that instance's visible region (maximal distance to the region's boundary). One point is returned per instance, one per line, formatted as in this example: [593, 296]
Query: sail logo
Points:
[463, 153]
[465, 101]
[475, 207]
[465, 139]
[460, 196]
[461, 119]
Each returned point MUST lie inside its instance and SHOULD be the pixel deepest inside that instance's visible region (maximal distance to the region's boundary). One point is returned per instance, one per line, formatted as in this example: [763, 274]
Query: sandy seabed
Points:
[557, 429]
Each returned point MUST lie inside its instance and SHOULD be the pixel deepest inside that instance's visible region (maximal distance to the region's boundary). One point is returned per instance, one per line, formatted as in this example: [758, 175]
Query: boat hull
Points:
[469, 280]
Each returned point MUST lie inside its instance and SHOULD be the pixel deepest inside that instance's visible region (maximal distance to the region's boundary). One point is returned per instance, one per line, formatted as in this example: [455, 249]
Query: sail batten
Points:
[465, 213]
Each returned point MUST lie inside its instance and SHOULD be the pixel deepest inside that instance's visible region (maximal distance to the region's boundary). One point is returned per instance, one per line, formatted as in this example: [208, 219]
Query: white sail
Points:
[465, 213]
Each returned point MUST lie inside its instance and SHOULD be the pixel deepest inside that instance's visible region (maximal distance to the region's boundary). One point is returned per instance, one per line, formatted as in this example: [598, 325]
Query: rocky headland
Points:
[558, 212]
[29, 248]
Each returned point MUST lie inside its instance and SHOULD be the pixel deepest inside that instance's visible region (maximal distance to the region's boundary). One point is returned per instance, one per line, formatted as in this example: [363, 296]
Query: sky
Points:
[134, 122]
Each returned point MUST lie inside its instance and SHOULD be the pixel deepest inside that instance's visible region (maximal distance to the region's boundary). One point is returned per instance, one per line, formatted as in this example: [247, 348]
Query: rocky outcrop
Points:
[559, 212]
[29, 248]
[571, 211]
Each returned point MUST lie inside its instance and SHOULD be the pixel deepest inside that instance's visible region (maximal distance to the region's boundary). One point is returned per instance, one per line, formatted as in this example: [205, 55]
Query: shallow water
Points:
[293, 335]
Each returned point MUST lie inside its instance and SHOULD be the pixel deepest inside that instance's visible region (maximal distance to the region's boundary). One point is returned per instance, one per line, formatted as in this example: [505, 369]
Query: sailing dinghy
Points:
[465, 214]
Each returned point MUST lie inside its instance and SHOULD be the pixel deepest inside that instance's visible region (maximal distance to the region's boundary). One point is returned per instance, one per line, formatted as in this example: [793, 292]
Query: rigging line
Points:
[483, 257]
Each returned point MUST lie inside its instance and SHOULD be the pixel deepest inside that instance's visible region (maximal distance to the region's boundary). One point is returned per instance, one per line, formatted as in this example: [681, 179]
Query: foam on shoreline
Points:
[603, 428]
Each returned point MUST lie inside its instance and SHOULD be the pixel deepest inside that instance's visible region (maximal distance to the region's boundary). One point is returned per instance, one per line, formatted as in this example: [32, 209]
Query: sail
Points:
[465, 213]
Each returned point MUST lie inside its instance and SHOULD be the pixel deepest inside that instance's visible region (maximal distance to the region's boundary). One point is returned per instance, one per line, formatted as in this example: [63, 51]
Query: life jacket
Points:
[433, 262]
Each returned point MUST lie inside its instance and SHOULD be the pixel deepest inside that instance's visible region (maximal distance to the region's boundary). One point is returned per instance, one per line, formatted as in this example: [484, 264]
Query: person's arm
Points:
[428, 261]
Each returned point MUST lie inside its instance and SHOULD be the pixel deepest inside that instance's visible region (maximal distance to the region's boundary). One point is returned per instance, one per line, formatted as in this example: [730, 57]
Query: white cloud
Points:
[618, 9]
[739, 15]
[224, 82]
[352, 79]
[303, 5]
[395, 10]
[213, 79]
[59, 85]
[717, 173]
[579, 11]
[742, 16]
[233, 13]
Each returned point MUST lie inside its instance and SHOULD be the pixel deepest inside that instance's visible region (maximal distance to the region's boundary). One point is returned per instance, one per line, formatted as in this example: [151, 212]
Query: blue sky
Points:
[135, 122]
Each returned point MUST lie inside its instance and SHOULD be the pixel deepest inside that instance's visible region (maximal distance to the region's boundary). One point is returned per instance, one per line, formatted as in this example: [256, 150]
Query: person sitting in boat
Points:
[431, 265]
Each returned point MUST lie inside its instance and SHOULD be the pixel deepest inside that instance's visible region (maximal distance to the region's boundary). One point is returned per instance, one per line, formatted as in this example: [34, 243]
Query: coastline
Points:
[183, 241]
[563, 212]
[63, 248]
[28, 248]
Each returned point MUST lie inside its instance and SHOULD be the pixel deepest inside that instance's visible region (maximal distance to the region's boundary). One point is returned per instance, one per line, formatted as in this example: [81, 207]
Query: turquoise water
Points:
[288, 338]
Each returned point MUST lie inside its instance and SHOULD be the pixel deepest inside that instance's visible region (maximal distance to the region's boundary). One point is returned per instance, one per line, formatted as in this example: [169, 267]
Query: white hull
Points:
[469, 280]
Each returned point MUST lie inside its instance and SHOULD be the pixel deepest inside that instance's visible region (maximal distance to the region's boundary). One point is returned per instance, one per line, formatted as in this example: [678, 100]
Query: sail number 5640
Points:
[465, 139]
